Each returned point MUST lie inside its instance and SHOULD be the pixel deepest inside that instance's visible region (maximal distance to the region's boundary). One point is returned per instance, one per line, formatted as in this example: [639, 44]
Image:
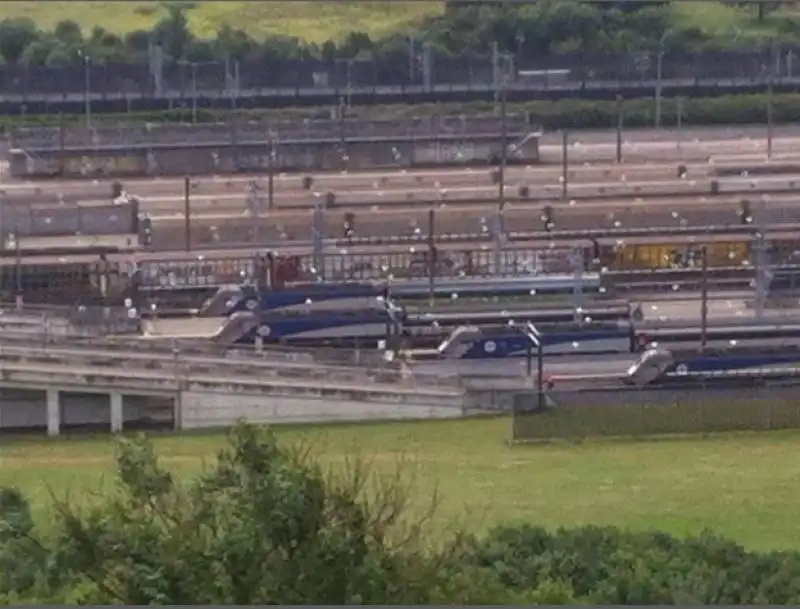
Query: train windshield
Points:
[395, 310]
[652, 358]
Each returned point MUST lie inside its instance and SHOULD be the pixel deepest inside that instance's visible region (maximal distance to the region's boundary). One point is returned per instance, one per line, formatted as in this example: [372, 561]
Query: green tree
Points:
[38, 51]
[16, 35]
[172, 32]
[68, 33]
[234, 44]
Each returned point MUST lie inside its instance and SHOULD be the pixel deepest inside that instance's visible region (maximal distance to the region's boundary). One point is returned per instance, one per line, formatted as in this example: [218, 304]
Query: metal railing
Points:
[235, 364]
[248, 133]
[423, 68]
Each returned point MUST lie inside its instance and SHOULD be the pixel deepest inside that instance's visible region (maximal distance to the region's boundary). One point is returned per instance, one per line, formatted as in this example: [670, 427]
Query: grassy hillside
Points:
[331, 19]
[730, 23]
[313, 21]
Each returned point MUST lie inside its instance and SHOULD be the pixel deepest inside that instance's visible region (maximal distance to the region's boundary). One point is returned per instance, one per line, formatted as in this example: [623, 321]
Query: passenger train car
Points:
[663, 367]
[313, 298]
[620, 336]
[683, 251]
[321, 313]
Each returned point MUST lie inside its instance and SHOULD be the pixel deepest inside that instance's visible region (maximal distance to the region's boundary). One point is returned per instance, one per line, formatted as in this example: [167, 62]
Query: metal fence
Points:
[707, 407]
[172, 274]
[224, 82]
[37, 139]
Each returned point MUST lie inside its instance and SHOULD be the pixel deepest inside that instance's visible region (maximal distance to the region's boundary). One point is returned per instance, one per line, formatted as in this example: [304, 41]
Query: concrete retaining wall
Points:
[209, 409]
[91, 391]
[22, 409]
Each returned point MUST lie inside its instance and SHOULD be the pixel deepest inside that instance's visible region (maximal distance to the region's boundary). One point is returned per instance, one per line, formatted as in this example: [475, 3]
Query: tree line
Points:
[530, 30]
[266, 524]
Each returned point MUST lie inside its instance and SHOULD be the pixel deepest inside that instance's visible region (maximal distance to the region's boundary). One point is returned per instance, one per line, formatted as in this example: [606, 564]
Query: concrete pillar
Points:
[177, 411]
[116, 412]
[53, 412]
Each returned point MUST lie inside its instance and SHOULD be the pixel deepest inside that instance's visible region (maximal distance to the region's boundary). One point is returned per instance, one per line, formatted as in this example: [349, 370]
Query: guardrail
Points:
[572, 235]
[537, 193]
[234, 365]
[64, 376]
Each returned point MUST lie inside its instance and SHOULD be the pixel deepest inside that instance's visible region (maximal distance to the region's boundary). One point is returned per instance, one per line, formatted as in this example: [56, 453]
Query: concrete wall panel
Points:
[208, 409]
[22, 409]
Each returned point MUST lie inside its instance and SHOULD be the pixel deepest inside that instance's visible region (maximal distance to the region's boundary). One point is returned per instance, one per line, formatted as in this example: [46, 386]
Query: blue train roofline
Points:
[661, 365]
[248, 297]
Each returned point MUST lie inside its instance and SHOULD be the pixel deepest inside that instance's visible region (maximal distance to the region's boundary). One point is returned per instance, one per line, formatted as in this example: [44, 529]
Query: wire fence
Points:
[49, 138]
[712, 405]
[226, 81]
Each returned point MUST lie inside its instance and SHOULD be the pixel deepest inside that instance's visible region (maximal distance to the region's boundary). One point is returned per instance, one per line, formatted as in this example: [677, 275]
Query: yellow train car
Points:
[643, 253]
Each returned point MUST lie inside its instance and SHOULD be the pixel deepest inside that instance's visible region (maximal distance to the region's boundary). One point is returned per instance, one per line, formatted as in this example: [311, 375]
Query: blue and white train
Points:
[343, 314]
[320, 297]
[663, 368]
[622, 336]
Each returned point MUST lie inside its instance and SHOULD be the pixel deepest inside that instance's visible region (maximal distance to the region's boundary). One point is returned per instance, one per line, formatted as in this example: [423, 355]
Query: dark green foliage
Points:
[534, 30]
[607, 566]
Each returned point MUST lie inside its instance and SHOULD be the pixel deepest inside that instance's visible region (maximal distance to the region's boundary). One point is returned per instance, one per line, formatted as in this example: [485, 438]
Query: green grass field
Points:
[743, 486]
[312, 21]
[735, 24]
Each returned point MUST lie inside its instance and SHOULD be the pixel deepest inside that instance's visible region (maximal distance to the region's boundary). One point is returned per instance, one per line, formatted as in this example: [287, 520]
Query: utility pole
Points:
[704, 300]
[619, 128]
[769, 116]
[660, 76]
[762, 274]
[194, 93]
[577, 285]
[271, 171]
[679, 135]
[412, 60]
[432, 255]
[501, 93]
[87, 88]
[317, 238]
[501, 185]
[187, 213]
[564, 165]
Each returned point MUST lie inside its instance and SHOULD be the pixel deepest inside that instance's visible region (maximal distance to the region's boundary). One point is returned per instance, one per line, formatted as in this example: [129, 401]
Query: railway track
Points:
[215, 224]
[405, 245]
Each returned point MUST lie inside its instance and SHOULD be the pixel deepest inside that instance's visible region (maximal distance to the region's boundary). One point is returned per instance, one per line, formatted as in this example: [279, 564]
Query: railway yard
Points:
[614, 262]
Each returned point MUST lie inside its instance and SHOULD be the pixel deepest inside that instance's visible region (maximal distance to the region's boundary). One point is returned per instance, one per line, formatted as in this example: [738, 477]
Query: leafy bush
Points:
[604, 565]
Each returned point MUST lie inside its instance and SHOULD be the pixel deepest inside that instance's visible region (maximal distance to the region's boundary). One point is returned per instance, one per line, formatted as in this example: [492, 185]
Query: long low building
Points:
[216, 149]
